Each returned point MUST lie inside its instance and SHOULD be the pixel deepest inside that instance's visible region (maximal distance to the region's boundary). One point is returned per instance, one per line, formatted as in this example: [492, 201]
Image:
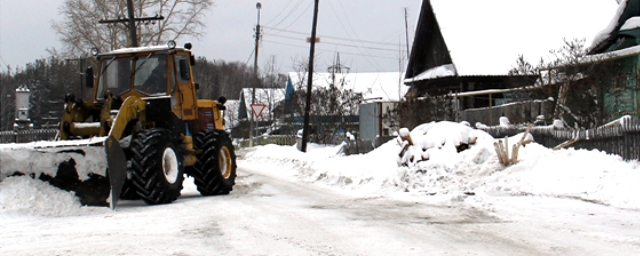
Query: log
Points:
[566, 144]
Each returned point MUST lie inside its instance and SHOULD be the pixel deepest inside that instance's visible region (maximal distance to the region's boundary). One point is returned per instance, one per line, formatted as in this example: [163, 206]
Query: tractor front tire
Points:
[129, 191]
[215, 171]
[157, 166]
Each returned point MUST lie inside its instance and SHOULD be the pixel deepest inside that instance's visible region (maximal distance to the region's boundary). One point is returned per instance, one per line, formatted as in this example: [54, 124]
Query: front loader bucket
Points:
[94, 169]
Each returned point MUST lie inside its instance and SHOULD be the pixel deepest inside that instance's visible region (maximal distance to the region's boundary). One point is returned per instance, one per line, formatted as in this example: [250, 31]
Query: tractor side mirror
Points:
[88, 77]
[184, 70]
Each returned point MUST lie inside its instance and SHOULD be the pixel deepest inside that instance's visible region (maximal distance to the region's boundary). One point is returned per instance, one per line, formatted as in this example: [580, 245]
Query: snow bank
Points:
[22, 195]
[591, 176]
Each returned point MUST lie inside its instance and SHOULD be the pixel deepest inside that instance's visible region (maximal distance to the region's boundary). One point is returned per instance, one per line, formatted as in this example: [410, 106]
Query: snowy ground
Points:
[566, 202]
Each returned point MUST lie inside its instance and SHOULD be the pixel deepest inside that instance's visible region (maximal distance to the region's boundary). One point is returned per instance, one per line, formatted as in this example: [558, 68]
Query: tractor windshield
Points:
[149, 76]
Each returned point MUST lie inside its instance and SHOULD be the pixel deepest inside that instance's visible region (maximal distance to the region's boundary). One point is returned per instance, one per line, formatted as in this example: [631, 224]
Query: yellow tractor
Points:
[141, 133]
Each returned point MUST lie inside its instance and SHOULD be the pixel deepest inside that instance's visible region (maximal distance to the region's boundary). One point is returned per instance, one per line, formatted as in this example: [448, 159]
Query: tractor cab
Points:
[143, 71]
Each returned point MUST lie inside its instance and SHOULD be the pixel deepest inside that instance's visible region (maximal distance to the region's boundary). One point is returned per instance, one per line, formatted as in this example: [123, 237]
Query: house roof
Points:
[271, 97]
[383, 86]
[625, 18]
[486, 37]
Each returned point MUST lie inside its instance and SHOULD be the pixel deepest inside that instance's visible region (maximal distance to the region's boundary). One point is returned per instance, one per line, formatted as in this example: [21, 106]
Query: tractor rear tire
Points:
[157, 166]
[215, 171]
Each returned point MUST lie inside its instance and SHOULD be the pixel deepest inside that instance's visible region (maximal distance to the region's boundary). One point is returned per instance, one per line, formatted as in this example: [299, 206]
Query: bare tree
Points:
[333, 105]
[80, 30]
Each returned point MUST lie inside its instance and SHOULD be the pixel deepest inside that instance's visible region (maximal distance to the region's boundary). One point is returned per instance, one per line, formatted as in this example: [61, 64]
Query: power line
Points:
[302, 13]
[283, 9]
[373, 63]
[332, 37]
[332, 51]
[341, 44]
[250, 55]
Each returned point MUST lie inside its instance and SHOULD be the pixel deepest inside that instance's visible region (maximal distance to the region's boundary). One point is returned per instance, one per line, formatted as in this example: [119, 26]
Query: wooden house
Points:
[619, 44]
[469, 45]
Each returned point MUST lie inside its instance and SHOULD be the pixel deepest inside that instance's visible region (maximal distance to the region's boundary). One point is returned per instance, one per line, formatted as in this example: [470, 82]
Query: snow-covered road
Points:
[273, 214]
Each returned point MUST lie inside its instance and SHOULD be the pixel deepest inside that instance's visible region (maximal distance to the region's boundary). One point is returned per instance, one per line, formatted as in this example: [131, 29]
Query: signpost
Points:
[257, 109]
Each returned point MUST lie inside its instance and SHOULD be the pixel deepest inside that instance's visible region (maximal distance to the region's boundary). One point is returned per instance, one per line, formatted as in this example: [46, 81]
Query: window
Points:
[183, 71]
[115, 76]
[151, 75]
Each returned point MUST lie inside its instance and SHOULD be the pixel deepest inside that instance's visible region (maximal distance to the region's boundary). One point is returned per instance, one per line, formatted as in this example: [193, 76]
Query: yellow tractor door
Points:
[184, 97]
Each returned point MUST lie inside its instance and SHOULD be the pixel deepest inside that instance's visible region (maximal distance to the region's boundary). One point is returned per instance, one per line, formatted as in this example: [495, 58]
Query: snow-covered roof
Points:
[383, 86]
[607, 32]
[486, 37]
[271, 97]
[632, 23]
[439, 71]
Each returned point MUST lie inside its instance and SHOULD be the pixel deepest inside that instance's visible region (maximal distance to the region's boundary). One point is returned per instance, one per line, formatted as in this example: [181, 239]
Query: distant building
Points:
[378, 96]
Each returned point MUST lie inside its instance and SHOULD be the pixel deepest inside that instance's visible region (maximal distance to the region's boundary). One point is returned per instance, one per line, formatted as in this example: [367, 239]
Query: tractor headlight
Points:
[171, 44]
[94, 51]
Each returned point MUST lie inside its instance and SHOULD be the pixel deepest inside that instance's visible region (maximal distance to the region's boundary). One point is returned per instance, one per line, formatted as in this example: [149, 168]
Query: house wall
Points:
[621, 97]
[518, 113]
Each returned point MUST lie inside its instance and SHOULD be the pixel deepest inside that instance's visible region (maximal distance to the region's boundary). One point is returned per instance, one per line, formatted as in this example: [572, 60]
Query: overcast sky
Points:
[366, 33]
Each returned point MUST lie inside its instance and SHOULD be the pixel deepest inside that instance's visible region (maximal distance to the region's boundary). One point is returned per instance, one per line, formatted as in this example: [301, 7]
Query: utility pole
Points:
[406, 29]
[255, 75]
[131, 22]
[312, 52]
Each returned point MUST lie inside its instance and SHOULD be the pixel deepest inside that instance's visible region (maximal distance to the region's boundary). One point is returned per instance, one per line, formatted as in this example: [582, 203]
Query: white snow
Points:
[473, 177]
[589, 175]
[486, 37]
[45, 157]
[631, 23]
[87, 125]
[432, 73]
[22, 195]
[613, 23]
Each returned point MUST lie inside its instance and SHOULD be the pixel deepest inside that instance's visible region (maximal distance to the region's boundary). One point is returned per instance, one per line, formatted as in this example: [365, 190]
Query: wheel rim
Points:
[170, 165]
[224, 162]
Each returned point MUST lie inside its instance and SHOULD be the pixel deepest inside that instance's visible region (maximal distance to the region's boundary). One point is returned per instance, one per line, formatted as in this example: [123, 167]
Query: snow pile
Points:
[588, 175]
[438, 142]
[22, 195]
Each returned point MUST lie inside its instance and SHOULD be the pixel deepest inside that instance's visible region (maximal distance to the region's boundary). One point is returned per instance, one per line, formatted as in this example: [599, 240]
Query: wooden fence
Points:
[285, 140]
[623, 139]
[24, 136]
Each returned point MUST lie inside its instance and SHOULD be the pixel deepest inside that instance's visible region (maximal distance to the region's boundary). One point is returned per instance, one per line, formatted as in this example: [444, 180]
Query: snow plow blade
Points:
[94, 169]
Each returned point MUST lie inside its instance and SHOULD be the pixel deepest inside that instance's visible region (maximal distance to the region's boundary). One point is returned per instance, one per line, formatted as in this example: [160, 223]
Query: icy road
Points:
[267, 214]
